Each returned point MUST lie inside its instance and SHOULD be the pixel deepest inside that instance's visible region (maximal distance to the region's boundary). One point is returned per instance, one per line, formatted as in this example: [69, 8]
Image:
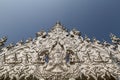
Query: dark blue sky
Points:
[21, 19]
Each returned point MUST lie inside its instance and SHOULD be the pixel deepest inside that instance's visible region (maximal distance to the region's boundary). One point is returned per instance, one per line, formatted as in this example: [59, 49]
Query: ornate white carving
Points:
[59, 55]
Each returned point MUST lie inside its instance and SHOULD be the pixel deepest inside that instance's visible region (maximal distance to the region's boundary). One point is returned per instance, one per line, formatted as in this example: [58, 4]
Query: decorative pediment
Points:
[61, 55]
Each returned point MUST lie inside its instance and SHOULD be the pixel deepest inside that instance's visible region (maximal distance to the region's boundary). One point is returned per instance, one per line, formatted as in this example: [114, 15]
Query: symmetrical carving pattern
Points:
[61, 55]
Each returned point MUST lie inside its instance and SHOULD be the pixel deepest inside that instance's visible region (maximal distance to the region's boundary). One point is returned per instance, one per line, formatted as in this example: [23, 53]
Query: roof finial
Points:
[58, 22]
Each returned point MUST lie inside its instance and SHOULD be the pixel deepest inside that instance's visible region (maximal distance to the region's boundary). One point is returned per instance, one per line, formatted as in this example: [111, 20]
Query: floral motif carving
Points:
[61, 55]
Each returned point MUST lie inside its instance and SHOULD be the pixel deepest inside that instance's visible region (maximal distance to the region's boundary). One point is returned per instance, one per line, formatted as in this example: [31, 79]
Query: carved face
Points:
[57, 58]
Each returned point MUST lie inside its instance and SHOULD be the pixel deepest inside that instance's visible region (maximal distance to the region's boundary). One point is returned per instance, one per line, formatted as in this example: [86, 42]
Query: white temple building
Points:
[60, 55]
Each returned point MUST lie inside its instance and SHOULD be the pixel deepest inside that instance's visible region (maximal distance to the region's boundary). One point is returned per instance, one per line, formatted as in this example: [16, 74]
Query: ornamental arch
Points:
[60, 55]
